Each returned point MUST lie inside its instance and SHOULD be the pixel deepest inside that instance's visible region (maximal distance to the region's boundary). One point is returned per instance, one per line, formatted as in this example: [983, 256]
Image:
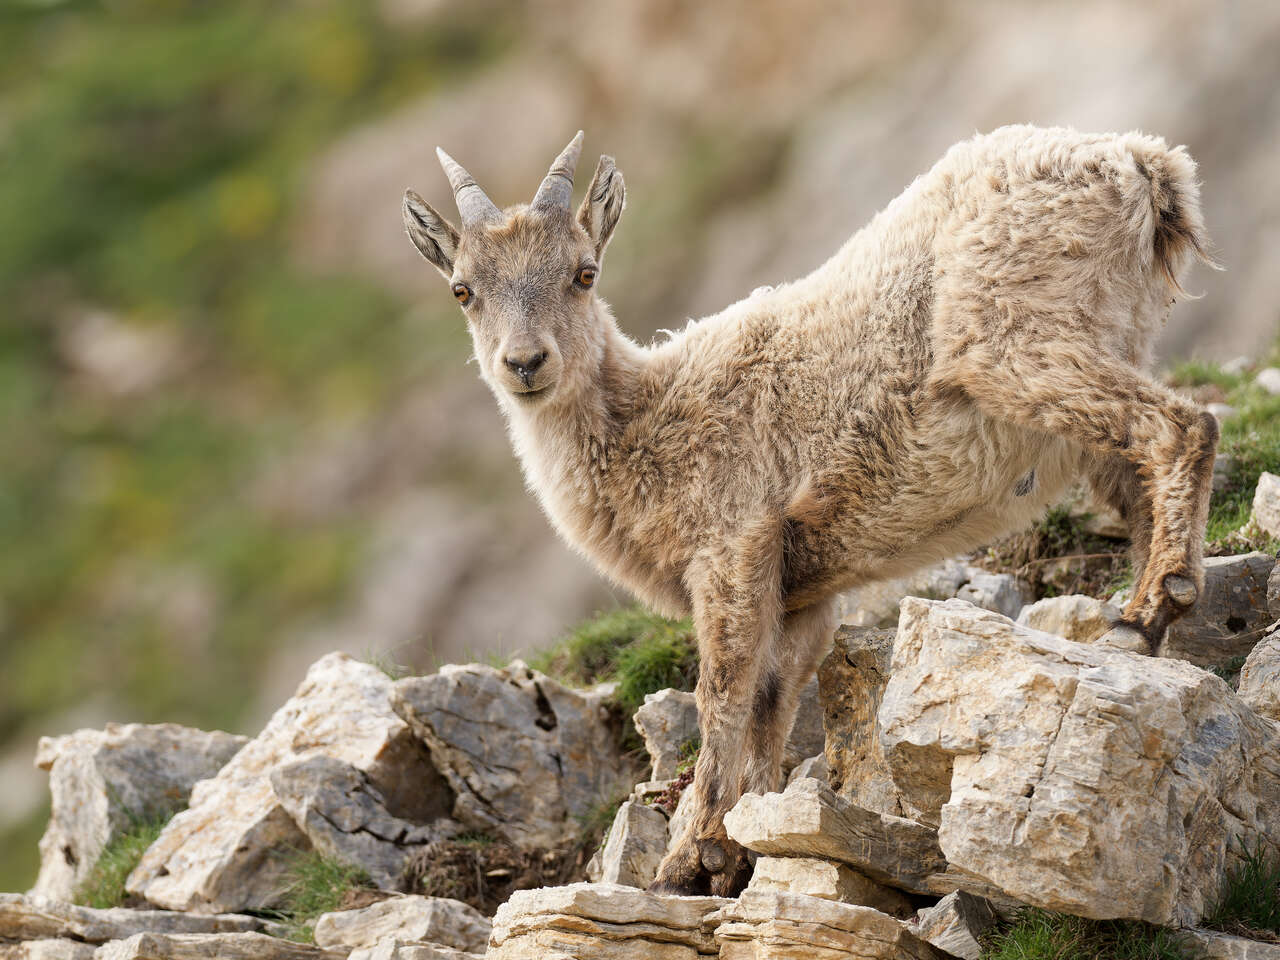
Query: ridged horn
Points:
[473, 205]
[557, 186]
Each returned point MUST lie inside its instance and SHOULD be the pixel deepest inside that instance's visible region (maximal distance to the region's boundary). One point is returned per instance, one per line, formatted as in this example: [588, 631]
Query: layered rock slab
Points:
[1076, 777]
[39, 918]
[585, 921]
[47, 950]
[433, 920]
[211, 946]
[809, 820]
[783, 926]
[102, 781]
[634, 848]
[826, 880]
[524, 755]
[231, 849]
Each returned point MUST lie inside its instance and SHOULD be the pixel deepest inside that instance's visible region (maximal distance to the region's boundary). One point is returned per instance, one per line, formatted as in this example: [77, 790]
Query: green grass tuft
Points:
[1249, 904]
[317, 885]
[642, 651]
[1039, 935]
[105, 884]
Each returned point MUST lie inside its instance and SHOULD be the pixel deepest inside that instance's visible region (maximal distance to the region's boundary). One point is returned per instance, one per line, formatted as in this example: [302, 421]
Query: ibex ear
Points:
[433, 235]
[602, 206]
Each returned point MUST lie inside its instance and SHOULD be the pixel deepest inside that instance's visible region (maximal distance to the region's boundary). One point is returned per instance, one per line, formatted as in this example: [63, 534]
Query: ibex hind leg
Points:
[1116, 411]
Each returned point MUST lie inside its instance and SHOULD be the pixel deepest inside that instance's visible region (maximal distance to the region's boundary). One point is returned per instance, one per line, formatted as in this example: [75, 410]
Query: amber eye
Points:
[585, 276]
[462, 293]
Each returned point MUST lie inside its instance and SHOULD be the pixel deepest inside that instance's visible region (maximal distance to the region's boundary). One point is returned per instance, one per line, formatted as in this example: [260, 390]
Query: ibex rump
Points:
[934, 384]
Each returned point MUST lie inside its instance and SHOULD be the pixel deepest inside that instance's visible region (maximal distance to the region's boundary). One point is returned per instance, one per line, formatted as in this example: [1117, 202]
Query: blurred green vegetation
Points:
[1251, 437]
[152, 158]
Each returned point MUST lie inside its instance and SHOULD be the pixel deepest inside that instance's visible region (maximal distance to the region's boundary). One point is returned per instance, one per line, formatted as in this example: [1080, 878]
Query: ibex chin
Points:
[933, 385]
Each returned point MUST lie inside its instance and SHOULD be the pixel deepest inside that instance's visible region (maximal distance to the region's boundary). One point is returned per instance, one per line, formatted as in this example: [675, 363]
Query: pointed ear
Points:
[433, 235]
[602, 206]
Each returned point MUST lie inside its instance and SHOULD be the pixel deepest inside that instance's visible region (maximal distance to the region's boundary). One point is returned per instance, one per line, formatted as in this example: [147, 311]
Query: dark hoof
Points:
[712, 856]
[1181, 591]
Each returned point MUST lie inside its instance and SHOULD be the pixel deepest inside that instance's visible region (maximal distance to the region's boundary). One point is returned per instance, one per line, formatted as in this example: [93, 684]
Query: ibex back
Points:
[936, 383]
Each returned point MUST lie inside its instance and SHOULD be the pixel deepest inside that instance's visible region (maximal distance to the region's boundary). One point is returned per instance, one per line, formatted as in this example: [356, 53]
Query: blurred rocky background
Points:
[239, 426]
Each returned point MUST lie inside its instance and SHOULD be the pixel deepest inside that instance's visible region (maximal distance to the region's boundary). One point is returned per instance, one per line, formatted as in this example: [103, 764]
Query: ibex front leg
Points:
[736, 595]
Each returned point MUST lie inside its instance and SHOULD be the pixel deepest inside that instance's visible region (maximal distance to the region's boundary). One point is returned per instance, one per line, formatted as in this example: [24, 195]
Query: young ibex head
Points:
[525, 277]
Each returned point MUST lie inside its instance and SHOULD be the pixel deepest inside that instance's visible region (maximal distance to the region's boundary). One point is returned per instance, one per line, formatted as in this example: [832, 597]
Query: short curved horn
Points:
[557, 186]
[473, 205]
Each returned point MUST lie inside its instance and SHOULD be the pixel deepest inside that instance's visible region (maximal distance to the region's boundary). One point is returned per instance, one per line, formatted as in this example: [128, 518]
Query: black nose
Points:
[525, 366]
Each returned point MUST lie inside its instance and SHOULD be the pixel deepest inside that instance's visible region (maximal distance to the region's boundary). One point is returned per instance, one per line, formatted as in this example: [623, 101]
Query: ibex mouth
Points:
[528, 396]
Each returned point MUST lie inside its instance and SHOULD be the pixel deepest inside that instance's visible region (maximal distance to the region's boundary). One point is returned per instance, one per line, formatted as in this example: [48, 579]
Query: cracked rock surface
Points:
[788, 926]
[524, 756]
[230, 849]
[433, 920]
[604, 922]
[1231, 615]
[1073, 776]
[100, 780]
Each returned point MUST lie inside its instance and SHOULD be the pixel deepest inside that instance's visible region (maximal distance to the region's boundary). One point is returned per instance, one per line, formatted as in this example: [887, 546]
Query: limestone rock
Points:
[827, 880]
[806, 737]
[436, 920]
[1076, 777]
[681, 816]
[230, 849]
[1273, 592]
[634, 848]
[876, 604]
[524, 755]
[1268, 379]
[1228, 619]
[1075, 617]
[39, 918]
[211, 946]
[1096, 516]
[102, 780]
[1213, 945]
[392, 948]
[809, 820]
[667, 722]
[602, 922]
[783, 926]
[1000, 592]
[345, 816]
[955, 923]
[851, 682]
[811, 768]
[1260, 678]
[1266, 504]
[47, 950]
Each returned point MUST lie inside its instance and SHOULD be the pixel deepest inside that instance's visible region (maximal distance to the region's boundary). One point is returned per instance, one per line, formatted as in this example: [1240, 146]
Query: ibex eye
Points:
[462, 293]
[585, 276]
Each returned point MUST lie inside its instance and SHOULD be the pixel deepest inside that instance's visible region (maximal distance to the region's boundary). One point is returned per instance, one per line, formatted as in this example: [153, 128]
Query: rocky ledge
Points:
[943, 776]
